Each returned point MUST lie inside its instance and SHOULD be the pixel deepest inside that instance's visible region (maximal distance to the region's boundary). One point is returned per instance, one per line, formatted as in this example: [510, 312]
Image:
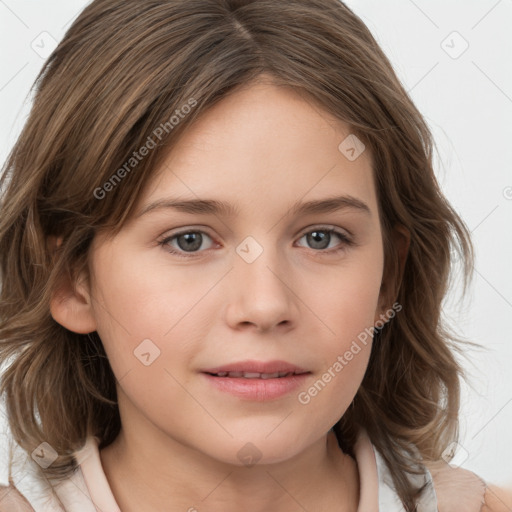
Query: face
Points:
[186, 289]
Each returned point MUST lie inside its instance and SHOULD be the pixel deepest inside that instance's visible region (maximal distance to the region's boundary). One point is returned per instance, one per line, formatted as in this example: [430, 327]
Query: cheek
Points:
[344, 357]
[346, 306]
[144, 295]
[346, 300]
[144, 314]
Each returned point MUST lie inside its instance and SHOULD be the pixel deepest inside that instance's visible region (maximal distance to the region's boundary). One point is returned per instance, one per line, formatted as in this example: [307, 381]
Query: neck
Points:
[155, 472]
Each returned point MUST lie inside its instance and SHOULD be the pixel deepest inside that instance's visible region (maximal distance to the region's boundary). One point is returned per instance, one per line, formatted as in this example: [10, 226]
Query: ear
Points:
[393, 271]
[70, 305]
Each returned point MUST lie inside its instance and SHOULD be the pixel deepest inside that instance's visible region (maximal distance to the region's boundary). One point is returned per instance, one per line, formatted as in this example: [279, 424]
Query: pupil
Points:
[318, 239]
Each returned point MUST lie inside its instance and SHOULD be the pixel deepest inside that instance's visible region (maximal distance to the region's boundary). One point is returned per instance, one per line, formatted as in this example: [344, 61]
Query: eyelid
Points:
[182, 231]
[326, 227]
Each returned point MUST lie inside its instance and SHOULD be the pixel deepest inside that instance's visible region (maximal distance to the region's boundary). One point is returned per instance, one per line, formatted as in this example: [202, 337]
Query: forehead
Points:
[263, 147]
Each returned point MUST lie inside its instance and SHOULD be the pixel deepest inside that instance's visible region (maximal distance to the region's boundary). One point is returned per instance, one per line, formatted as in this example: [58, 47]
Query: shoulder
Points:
[12, 501]
[460, 489]
[23, 486]
[497, 499]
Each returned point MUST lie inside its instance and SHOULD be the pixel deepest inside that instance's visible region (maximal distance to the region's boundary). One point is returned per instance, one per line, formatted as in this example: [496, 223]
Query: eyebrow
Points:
[215, 207]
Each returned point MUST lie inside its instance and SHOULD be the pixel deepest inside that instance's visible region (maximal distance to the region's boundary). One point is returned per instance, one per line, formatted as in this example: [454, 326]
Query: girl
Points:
[293, 357]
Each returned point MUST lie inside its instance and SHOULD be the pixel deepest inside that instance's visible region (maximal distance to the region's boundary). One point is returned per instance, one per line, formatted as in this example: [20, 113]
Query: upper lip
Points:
[257, 367]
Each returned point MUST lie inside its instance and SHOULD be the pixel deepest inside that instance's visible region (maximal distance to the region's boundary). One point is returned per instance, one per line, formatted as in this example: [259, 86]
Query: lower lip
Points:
[258, 390]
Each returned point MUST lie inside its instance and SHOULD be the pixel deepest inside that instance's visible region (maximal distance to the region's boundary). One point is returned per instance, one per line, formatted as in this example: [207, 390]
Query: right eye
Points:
[184, 242]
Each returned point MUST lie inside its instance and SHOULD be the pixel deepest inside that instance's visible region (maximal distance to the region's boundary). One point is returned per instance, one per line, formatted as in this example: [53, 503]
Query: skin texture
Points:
[262, 149]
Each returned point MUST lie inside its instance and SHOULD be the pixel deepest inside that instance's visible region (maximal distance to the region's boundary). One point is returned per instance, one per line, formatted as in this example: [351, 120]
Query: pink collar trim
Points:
[95, 479]
[368, 474]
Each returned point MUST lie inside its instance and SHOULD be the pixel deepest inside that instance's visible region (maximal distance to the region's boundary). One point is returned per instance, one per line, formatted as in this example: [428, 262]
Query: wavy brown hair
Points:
[121, 70]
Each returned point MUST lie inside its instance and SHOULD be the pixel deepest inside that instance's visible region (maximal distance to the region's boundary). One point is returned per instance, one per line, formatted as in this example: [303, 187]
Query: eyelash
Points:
[346, 242]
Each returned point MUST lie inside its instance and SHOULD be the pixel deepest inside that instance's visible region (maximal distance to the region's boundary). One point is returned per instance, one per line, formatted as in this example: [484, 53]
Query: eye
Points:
[185, 242]
[321, 238]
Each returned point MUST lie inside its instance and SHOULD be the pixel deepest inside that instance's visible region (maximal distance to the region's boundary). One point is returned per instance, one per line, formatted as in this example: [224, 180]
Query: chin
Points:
[259, 451]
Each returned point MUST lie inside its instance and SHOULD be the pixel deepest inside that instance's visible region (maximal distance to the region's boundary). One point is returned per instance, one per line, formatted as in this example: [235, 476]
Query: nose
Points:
[262, 296]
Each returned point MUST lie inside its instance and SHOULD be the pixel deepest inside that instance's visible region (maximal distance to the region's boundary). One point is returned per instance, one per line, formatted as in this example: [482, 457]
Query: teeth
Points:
[249, 375]
[254, 375]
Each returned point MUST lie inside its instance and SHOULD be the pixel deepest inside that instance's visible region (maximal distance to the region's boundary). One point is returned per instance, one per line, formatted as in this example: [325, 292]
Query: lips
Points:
[257, 381]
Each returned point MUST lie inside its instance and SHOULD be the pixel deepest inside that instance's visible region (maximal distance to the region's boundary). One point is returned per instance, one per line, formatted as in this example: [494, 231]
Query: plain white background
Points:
[454, 59]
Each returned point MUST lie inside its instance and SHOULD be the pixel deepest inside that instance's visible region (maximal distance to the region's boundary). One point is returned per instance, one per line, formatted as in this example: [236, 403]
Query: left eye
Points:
[187, 243]
[321, 238]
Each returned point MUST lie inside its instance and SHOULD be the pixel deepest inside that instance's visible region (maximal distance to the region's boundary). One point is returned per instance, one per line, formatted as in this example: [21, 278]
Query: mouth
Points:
[256, 369]
[255, 380]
